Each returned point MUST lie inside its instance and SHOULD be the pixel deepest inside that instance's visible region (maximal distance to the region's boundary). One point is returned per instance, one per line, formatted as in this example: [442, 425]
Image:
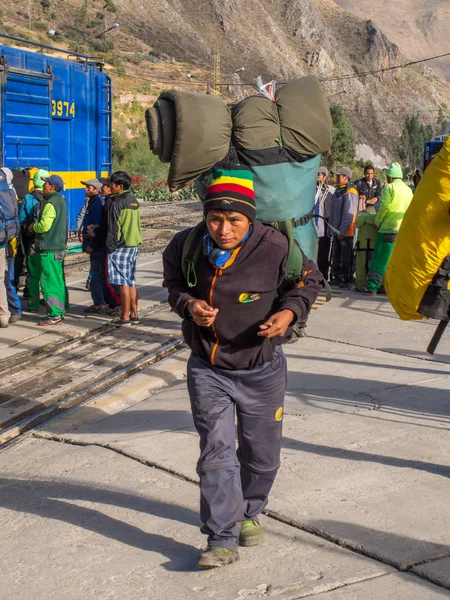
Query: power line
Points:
[325, 79]
[384, 69]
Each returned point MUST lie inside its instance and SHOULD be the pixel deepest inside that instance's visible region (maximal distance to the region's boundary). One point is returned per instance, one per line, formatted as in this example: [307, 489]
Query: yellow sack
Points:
[423, 241]
[12, 247]
[33, 172]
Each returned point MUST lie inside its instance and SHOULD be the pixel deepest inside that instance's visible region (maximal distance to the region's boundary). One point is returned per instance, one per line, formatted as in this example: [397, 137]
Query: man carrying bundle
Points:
[237, 311]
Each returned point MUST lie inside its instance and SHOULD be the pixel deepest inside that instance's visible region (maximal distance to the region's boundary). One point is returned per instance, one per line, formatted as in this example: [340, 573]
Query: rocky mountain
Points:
[418, 27]
[277, 39]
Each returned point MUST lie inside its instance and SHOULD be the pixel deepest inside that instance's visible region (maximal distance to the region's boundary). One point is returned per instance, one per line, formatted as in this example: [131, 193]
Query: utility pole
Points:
[216, 72]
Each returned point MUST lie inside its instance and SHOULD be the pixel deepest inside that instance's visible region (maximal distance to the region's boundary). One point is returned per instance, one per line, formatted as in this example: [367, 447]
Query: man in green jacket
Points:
[367, 234]
[123, 237]
[395, 200]
[51, 239]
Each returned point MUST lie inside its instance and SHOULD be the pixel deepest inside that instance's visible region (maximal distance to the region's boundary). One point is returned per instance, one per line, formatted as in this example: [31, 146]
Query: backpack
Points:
[435, 303]
[9, 214]
[21, 182]
[32, 217]
[193, 247]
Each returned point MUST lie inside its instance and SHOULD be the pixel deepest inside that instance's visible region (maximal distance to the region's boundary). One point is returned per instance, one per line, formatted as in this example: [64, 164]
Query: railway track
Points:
[39, 387]
[154, 239]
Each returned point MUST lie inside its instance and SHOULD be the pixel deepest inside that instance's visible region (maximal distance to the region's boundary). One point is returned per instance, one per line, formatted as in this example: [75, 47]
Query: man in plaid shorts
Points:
[122, 240]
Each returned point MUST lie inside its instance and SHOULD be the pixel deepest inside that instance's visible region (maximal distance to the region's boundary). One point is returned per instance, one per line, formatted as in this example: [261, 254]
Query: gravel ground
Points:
[175, 215]
[159, 222]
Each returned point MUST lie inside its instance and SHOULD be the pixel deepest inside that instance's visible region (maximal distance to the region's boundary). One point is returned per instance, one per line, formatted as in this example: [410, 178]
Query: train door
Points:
[104, 125]
[26, 118]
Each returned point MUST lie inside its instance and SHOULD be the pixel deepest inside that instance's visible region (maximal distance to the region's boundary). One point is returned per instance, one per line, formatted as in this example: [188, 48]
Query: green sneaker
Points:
[251, 533]
[216, 556]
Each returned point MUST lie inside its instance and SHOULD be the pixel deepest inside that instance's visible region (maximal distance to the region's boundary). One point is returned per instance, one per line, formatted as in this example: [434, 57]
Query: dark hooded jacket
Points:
[246, 294]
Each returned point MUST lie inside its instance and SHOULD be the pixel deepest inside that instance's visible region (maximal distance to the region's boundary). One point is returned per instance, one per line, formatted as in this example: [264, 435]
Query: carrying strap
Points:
[307, 218]
[294, 263]
[191, 252]
[193, 247]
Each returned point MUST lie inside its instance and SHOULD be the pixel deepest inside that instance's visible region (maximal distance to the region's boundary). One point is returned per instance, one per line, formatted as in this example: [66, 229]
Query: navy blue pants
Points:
[235, 485]
[98, 277]
[342, 254]
[14, 304]
[100, 292]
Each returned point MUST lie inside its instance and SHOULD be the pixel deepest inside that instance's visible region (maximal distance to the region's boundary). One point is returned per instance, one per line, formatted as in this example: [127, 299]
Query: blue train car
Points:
[55, 115]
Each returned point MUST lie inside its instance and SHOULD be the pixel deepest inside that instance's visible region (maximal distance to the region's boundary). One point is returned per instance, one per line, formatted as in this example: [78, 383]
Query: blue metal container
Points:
[55, 115]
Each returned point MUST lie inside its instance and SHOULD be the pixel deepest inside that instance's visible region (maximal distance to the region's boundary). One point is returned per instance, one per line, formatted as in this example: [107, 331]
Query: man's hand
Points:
[362, 197]
[31, 228]
[377, 227]
[89, 250]
[90, 231]
[80, 237]
[277, 324]
[203, 314]
[372, 201]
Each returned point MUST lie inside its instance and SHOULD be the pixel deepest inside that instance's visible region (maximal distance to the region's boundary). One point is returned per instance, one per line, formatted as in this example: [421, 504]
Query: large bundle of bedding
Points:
[299, 120]
[191, 131]
[423, 242]
[279, 139]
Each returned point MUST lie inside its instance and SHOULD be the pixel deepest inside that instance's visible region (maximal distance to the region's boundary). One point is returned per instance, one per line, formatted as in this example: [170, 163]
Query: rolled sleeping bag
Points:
[255, 123]
[298, 120]
[306, 125]
[423, 241]
[161, 123]
[191, 131]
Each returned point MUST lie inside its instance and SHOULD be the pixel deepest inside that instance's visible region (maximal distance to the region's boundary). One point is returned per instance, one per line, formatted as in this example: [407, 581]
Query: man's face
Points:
[369, 174]
[322, 177]
[341, 179]
[116, 188]
[48, 188]
[91, 191]
[227, 228]
[106, 190]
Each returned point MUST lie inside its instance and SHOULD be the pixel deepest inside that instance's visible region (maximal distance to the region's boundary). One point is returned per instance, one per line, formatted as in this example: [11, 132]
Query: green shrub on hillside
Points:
[149, 174]
[37, 26]
[135, 158]
[343, 145]
[102, 45]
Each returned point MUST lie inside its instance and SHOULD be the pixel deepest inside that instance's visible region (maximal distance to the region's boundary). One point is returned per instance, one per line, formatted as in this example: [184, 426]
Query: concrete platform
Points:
[26, 336]
[103, 503]
[113, 528]
[437, 571]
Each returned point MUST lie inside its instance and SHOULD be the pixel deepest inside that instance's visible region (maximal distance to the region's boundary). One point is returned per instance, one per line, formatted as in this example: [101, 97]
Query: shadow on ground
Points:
[54, 500]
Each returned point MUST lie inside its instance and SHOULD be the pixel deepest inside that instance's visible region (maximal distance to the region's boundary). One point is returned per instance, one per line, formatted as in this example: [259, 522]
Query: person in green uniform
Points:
[29, 212]
[51, 239]
[367, 234]
[395, 200]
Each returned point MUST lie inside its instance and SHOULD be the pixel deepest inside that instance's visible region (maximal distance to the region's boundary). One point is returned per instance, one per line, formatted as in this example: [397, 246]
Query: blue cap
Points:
[56, 181]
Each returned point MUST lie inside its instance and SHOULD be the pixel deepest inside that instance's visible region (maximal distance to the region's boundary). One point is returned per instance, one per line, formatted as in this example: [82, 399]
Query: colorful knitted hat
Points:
[231, 189]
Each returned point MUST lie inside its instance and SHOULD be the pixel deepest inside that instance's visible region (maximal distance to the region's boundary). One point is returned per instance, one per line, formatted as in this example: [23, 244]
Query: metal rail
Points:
[18, 361]
[40, 45]
[87, 393]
